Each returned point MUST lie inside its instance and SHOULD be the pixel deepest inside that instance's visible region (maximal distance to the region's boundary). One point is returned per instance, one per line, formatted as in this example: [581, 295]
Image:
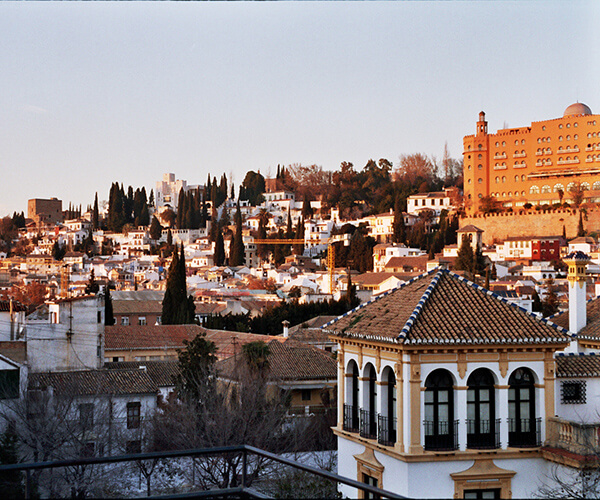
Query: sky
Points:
[97, 92]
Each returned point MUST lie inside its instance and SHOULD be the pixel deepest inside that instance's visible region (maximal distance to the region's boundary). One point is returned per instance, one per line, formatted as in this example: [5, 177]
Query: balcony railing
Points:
[350, 418]
[441, 436]
[524, 432]
[368, 424]
[483, 434]
[582, 439]
[387, 430]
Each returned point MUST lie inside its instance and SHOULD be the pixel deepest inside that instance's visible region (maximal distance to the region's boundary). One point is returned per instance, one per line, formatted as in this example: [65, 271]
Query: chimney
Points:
[577, 262]
[286, 325]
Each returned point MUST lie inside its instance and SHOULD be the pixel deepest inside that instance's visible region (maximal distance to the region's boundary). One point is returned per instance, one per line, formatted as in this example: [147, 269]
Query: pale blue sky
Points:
[91, 93]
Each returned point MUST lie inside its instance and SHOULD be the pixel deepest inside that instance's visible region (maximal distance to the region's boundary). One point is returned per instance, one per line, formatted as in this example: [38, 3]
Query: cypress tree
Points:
[236, 256]
[219, 256]
[177, 307]
[155, 229]
[399, 235]
[580, 230]
[109, 318]
[465, 258]
[95, 214]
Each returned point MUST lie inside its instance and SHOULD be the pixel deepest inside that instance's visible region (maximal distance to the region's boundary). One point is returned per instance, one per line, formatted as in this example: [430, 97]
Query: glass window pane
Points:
[443, 413]
[429, 412]
[470, 395]
[429, 396]
[443, 396]
[512, 410]
[484, 411]
[524, 393]
[524, 407]
[484, 394]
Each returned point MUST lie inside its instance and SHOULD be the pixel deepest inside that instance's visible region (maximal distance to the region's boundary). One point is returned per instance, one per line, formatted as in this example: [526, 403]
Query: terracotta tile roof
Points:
[120, 337]
[292, 361]
[92, 382]
[417, 263]
[162, 373]
[591, 331]
[577, 365]
[229, 343]
[441, 307]
[16, 306]
[137, 307]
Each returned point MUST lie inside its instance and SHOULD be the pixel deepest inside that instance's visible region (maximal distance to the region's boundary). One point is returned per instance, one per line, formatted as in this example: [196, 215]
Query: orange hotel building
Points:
[532, 164]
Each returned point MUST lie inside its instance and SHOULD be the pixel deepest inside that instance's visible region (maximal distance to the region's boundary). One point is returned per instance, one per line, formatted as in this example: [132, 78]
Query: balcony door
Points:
[439, 412]
[521, 409]
[481, 418]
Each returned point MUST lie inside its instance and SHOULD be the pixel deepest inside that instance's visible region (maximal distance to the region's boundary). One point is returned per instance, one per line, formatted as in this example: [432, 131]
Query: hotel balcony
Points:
[386, 431]
[483, 434]
[350, 418]
[519, 155]
[441, 436]
[368, 424]
[524, 432]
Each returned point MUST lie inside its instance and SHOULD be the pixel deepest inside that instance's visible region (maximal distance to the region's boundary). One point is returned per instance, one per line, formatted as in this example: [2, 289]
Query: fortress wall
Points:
[498, 227]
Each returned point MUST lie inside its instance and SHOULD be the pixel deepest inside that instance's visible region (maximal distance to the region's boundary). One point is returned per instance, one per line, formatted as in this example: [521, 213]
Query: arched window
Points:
[481, 412]
[516, 178]
[546, 188]
[522, 425]
[439, 425]
[523, 178]
[596, 186]
[386, 422]
[368, 413]
[352, 402]
[558, 187]
[534, 190]
[497, 180]
[503, 178]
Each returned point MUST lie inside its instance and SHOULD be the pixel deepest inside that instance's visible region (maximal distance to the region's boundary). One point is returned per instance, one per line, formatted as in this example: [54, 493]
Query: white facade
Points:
[72, 338]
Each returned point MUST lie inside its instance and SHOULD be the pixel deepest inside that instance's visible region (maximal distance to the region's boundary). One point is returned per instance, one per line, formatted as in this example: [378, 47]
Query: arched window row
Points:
[482, 424]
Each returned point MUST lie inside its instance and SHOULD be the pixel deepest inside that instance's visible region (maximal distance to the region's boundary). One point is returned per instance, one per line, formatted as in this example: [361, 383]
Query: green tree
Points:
[580, 229]
[177, 307]
[256, 355]
[219, 255]
[399, 235]
[196, 364]
[95, 214]
[155, 229]
[236, 255]
[465, 260]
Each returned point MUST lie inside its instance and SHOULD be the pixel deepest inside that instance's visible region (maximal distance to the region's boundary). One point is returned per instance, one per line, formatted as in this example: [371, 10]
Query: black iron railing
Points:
[483, 434]
[368, 424]
[245, 453]
[524, 432]
[386, 428]
[350, 418]
[441, 436]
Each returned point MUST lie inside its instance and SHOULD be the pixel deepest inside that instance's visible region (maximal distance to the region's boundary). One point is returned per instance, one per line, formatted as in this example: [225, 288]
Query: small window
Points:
[306, 394]
[125, 320]
[99, 317]
[141, 320]
[133, 415]
[573, 392]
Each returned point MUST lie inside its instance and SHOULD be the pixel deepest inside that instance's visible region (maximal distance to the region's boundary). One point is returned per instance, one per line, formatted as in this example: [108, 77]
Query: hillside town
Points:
[425, 318]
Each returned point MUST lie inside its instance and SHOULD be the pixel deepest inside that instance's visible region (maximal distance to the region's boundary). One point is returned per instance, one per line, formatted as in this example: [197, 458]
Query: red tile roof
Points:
[577, 365]
[441, 307]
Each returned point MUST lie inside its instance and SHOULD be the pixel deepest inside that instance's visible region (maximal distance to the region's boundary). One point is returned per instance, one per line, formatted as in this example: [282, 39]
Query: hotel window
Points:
[596, 186]
[480, 166]
[560, 137]
[503, 178]
[142, 320]
[560, 126]
[480, 147]
[497, 144]
[558, 187]
[575, 124]
[480, 180]
[479, 156]
[125, 320]
[523, 178]
[585, 186]
[568, 125]
[497, 180]
[547, 189]
[504, 143]
[544, 127]
[516, 178]
[522, 141]
[573, 392]
[480, 195]
[510, 193]
[534, 190]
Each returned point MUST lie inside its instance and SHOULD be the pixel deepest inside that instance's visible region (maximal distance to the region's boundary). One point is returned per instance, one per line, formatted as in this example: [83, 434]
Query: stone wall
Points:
[498, 227]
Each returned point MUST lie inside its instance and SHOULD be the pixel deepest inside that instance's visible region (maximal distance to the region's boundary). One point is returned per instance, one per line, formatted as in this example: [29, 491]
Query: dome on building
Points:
[577, 109]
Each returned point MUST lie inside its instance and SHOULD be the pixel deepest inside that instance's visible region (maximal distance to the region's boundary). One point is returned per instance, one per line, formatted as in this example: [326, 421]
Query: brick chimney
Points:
[577, 262]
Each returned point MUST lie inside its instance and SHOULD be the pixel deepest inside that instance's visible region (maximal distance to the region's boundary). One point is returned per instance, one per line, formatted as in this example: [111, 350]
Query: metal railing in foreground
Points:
[241, 491]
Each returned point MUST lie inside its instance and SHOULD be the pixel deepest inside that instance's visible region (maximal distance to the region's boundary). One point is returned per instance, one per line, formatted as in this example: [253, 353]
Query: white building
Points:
[447, 391]
[436, 201]
[167, 191]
